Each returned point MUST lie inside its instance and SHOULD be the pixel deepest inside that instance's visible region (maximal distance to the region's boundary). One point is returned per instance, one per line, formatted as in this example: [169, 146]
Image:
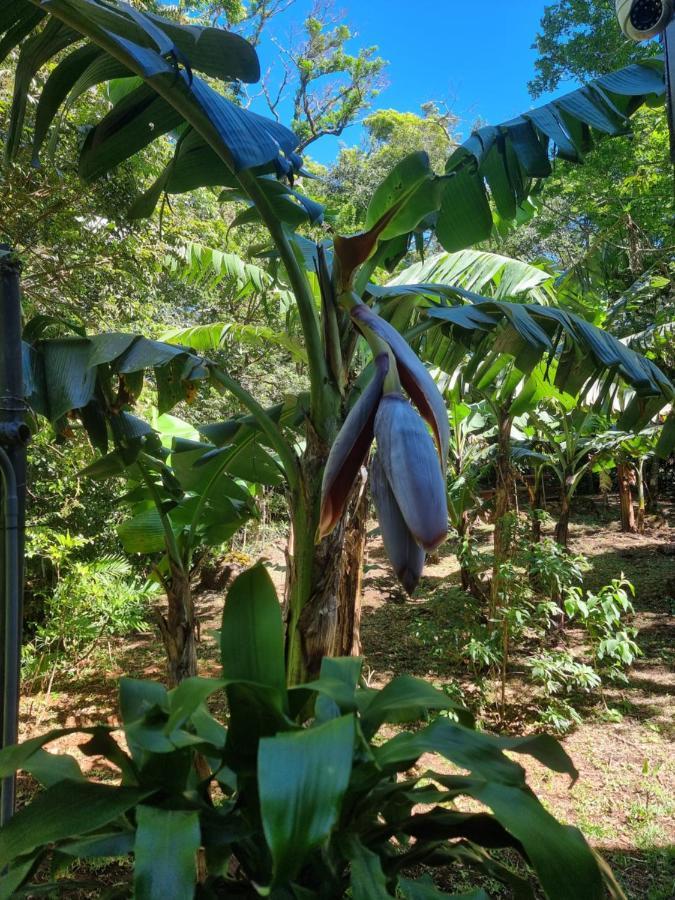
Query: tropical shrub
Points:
[603, 616]
[560, 675]
[91, 600]
[553, 570]
[302, 795]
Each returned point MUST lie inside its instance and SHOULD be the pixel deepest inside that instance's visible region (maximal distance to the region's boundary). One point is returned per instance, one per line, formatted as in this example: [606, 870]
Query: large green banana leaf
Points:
[500, 162]
[202, 265]
[218, 335]
[89, 374]
[517, 348]
[489, 273]
[165, 56]
[505, 160]
[527, 345]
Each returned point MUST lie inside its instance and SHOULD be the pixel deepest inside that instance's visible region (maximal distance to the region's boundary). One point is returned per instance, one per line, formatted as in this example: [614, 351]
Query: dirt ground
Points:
[624, 798]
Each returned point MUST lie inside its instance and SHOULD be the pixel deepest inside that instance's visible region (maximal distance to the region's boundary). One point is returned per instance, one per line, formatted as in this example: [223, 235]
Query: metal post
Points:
[14, 435]
[668, 40]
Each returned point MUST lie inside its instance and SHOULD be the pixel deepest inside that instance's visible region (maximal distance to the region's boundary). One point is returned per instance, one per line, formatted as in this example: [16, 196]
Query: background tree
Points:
[579, 39]
[330, 87]
[347, 185]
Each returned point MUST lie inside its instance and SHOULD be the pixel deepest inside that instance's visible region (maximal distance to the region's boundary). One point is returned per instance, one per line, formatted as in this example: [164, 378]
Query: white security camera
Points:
[643, 19]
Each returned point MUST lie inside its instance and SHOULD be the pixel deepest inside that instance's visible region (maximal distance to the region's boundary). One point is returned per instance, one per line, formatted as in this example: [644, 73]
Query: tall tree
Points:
[581, 39]
[328, 86]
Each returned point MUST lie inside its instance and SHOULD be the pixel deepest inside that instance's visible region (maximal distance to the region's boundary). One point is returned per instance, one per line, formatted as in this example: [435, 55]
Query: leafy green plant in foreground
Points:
[300, 796]
[559, 674]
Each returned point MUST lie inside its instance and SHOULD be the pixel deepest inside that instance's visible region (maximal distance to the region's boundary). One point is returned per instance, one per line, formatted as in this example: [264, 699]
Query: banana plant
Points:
[250, 158]
[628, 453]
[183, 493]
[177, 511]
[570, 443]
[467, 461]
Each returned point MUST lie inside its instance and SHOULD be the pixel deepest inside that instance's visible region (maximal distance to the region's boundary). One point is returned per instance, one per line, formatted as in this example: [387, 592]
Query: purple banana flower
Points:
[414, 376]
[405, 554]
[413, 470]
[407, 475]
[350, 450]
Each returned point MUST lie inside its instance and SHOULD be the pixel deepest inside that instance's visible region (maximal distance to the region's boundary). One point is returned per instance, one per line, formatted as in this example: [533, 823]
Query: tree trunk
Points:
[626, 478]
[323, 581]
[177, 628]
[348, 635]
[589, 477]
[537, 498]
[562, 527]
[503, 505]
[653, 486]
[468, 577]
[641, 496]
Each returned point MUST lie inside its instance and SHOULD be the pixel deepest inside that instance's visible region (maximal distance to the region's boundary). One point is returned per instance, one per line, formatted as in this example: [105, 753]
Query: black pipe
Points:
[12, 625]
[668, 41]
[14, 435]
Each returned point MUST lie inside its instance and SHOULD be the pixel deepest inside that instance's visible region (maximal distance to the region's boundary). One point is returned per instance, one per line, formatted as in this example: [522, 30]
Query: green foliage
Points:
[603, 616]
[553, 569]
[218, 143]
[579, 38]
[390, 136]
[560, 677]
[539, 584]
[321, 108]
[558, 671]
[606, 224]
[315, 801]
[92, 600]
[489, 274]
[517, 355]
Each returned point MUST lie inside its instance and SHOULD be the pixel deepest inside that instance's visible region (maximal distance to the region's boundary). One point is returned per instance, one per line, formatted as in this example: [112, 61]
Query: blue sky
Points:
[475, 56]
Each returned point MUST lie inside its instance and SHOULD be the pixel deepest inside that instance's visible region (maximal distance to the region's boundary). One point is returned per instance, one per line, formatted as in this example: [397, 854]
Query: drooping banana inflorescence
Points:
[407, 474]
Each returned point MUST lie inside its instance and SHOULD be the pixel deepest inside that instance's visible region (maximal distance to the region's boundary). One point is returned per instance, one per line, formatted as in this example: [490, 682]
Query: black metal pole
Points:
[668, 40]
[14, 435]
[12, 628]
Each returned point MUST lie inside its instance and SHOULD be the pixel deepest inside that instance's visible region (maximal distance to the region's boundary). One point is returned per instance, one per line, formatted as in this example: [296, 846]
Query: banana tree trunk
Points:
[653, 486]
[348, 635]
[626, 478]
[178, 628]
[504, 493]
[323, 581]
[641, 495]
[537, 501]
[562, 528]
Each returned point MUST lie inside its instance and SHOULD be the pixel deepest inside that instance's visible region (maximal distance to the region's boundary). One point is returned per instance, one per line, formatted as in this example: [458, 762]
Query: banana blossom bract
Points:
[407, 474]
